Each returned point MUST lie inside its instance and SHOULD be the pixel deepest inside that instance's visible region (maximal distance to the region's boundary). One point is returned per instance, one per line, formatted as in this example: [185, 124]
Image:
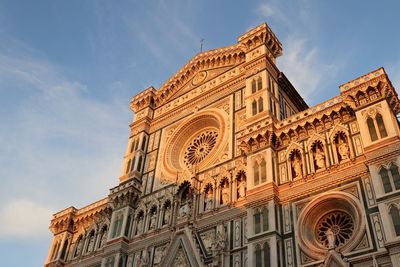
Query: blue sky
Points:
[69, 68]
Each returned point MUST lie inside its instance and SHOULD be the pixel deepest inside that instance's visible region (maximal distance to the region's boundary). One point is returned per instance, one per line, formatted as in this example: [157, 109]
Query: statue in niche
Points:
[242, 188]
[209, 199]
[140, 225]
[167, 215]
[330, 236]
[153, 220]
[319, 157]
[208, 239]
[297, 168]
[184, 209]
[103, 238]
[225, 193]
[343, 149]
[159, 254]
[144, 259]
[90, 245]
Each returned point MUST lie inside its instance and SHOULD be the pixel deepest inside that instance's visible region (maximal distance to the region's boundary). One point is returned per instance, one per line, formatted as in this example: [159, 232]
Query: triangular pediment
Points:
[334, 259]
[181, 252]
[201, 68]
[198, 78]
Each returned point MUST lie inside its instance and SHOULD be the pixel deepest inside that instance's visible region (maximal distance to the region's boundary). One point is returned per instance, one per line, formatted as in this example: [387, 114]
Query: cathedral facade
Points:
[226, 165]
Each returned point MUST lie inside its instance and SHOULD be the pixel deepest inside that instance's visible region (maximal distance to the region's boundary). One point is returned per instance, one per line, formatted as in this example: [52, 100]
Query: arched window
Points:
[257, 253]
[128, 226]
[394, 213]
[136, 144]
[265, 219]
[256, 173]
[271, 106]
[103, 237]
[260, 105]
[385, 180]
[139, 166]
[89, 245]
[133, 145]
[117, 226]
[128, 166]
[64, 250]
[394, 171]
[371, 129]
[133, 163]
[257, 221]
[263, 166]
[259, 83]
[381, 126]
[55, 250]
[253, 86]
[254, 107]
[143, 143]
[267, 255]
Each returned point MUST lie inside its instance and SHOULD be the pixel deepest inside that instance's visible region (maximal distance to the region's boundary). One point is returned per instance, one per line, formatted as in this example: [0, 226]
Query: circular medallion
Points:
[199, 77]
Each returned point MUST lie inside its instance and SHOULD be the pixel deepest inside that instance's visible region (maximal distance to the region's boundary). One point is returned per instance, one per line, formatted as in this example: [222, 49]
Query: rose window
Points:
[200, 147]
[340, 223]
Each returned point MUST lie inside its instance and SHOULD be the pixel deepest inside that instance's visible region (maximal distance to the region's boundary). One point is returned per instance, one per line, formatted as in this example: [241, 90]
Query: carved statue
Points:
[209, 200]
[153, 220]
[242, 188]
[344, 151]
[225, 194]
[144, 260]
[79, 248]
[103, 238]
[208, 240]
[167, 215]
[140, 226]
[319, 158]
[90, 245]
[330, 236]
[158, 255]
[297, 169]
[184, 209]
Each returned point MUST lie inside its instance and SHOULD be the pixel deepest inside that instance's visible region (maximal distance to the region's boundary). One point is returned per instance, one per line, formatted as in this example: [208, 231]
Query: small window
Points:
[265, 219]
[133, 163]
[128, 166]
[253, 86]
[385, 180]
[259, 83]
[381, 126]
[394, 213]
[260, 105]
[267, 255]
[143, 143]
[139, 166]
[394, 170]
[258, 256]
[256, 173]
[263, 166]
[371, 129]
[254, 107]
[257, 222]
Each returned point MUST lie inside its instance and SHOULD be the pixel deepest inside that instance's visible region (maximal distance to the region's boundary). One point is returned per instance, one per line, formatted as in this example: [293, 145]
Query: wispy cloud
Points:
[23, 218]
[62, 143]
[301, 64]
[270, 10]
